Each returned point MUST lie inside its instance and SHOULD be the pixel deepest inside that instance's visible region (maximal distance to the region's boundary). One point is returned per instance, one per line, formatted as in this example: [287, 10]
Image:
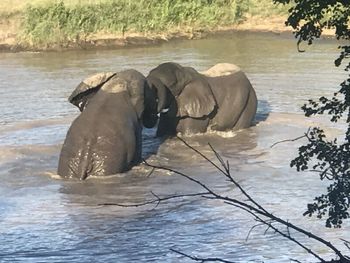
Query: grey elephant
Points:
[219, 99]
[106, 137]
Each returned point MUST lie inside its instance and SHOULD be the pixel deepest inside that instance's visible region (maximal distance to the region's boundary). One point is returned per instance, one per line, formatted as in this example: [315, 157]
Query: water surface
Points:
[45, 219]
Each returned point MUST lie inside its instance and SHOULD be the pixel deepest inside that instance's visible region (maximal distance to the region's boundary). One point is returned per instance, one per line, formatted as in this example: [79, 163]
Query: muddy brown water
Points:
[45, 219]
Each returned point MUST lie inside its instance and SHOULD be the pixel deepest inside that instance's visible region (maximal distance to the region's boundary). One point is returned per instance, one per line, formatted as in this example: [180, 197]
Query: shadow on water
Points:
[150, 142]
[263, 111]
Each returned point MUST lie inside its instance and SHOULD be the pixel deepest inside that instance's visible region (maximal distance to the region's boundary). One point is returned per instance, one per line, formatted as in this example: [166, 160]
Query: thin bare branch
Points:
[260, 210]
[265, 222]
[324, 174]
[201, 154]
[267, 229]
[225, 172]
[185, 176]
[254, 209]
[251, 230]
[218, 156]
[150, 173]
[198, 259]
[292, 140]
[291, 238]
[288, 231]
[157, 200]
[346, 243]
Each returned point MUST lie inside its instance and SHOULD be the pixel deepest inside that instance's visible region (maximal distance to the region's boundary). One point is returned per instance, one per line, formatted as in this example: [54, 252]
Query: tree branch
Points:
[292, 140]
[156, 201]
[200, 259]
[262, 211]
[254, 209]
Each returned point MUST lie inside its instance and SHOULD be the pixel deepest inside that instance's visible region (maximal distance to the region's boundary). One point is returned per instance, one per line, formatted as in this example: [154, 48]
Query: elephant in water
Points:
[106, 137]
[219, 99]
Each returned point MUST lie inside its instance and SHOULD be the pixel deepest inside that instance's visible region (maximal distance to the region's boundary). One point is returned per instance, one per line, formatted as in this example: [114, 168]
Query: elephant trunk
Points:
[149, 120]
[161, 92]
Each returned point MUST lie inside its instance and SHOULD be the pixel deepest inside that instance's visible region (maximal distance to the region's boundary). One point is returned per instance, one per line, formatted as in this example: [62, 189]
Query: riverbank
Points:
[65, 25]
[9, 37]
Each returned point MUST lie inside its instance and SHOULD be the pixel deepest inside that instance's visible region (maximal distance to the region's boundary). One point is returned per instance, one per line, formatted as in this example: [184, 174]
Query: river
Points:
[46, 219]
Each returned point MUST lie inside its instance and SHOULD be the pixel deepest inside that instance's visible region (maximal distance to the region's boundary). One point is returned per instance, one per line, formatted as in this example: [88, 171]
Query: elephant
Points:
[106, 137]
[189, 102]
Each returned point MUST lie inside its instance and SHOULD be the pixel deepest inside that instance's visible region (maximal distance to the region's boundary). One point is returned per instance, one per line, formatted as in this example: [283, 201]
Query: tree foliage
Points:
[328, 157]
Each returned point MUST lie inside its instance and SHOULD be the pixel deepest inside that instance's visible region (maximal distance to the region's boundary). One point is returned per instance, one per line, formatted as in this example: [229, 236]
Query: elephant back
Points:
[221, 69]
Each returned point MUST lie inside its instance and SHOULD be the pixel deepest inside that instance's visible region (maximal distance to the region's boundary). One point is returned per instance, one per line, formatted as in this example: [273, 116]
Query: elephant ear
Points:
[87, 89]
[196, 100]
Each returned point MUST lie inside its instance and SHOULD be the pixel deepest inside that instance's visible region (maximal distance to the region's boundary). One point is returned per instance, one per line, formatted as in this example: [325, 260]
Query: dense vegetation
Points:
[57, 22]
[49, 22]
[329, 157]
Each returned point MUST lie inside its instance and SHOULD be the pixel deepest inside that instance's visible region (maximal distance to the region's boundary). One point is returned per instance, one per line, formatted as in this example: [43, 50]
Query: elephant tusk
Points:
[164, 110]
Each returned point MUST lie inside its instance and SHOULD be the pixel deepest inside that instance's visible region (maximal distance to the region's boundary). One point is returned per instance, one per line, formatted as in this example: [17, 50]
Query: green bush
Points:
[55, 23]
[58, 22]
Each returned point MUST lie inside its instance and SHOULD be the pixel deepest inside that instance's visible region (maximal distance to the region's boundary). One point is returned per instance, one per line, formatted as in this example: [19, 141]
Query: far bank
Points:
[100, 40]
[50, 25]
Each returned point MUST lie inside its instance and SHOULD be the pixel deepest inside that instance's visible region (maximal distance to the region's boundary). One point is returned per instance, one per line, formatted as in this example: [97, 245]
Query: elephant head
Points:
[144, 101]
[181, 91]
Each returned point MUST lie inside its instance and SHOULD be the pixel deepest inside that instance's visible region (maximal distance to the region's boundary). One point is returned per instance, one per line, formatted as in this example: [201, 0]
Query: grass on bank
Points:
[15, 6]
[46, 23]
